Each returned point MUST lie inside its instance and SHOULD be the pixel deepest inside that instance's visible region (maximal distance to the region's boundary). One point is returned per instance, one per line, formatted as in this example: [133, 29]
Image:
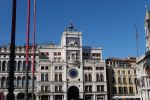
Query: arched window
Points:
[20, 96]
[119, 80]
[46, 77]
[114, 80]
[125, 90]
[30, 65]
[15, 69]
[86, 77]
[56, 77]
[86, 88]
[35, 65]
[24, 65]
[130, 80]
[131, 90]
[8, 65]
[15, 82]
[23, 81]
[19, 66]
[60, 77]
[35, 81]
[4, 66]
[19, 82]
[0, 66]
[135, 81]
[101, 77]
[97, 77]
[90, 77]
[114, 90]
[30, 82]
[3, 82]
[124, 80]
[7, 79]
[120, 90]
[42, 77]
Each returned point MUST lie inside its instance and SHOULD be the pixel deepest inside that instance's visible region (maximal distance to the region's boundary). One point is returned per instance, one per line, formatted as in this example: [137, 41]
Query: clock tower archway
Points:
[73, 93]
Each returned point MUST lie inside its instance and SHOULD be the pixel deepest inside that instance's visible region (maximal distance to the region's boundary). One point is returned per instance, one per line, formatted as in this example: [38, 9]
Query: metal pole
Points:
[27, 50]
[33, 60]
[10, 95]
[137, 47]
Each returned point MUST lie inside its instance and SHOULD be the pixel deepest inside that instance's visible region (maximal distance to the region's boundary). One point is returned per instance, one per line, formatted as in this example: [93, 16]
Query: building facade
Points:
[19, 75]
[69, 71]
[121, 78]
[143, 64]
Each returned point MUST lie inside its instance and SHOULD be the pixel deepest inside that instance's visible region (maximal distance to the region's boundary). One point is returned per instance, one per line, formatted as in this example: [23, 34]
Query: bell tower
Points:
[71, 42]
[147, 29]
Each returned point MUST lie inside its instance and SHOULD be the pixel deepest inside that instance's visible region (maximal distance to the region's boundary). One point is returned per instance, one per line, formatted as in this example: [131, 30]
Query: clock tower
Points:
[71, 42]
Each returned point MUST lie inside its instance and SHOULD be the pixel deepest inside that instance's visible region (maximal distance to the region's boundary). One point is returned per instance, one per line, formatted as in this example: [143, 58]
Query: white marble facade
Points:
[63, 72]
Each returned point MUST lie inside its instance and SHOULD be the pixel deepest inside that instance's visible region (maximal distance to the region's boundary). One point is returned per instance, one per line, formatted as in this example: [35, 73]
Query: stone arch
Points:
[29, 96]
[73, 93]
[4, 66]
[20, 96]
[19, 66]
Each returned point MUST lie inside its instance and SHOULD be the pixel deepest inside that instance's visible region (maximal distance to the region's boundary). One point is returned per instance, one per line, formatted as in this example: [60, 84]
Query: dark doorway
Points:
[20, 96]
[58, 97]
[73, 93]
[44, 97]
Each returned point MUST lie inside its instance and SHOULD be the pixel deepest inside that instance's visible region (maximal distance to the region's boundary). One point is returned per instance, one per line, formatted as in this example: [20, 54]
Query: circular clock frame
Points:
[73, 73]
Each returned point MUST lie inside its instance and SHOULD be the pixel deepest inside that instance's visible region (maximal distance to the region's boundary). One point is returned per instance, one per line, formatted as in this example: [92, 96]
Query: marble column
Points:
[94, 97]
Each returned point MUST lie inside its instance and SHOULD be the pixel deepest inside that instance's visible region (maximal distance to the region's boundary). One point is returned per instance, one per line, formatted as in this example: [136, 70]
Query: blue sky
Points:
[105, 23]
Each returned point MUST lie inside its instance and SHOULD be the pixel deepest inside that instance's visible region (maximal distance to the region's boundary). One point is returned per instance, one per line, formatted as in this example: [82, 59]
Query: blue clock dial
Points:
[73, 73]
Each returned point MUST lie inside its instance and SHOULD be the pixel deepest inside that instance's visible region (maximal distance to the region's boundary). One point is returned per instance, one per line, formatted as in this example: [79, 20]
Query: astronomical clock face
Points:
[73, 41]
[73, 73]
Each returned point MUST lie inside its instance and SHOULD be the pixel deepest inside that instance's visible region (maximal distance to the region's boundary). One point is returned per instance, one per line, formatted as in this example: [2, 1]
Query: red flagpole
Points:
[27, 49]
[33, 47]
